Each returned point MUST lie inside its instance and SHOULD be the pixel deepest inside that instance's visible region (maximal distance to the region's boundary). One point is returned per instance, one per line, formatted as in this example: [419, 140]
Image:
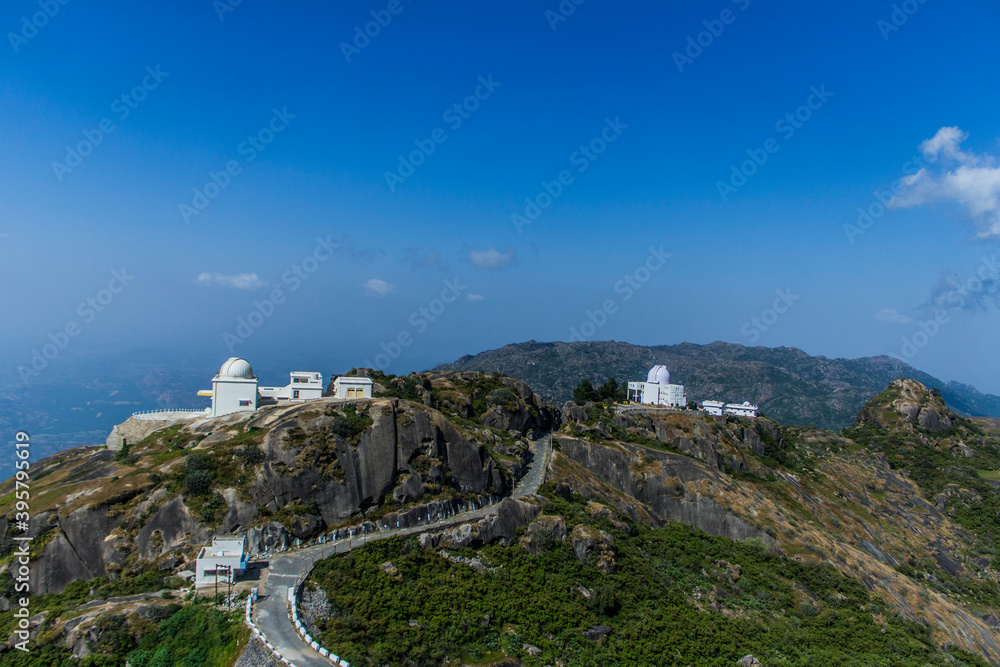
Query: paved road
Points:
[271, 610]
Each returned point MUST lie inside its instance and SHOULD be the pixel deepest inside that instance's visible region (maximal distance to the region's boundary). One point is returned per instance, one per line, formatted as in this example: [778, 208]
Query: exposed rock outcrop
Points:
[511, 514]
[542, 533]
[660, 481]
[908, 404]
[594, 547]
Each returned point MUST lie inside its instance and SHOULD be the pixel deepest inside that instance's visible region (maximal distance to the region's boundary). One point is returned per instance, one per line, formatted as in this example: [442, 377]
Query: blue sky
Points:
[641, 137]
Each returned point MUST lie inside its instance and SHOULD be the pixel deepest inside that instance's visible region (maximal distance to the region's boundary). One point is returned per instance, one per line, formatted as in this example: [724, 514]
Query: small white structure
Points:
[657, 390]
[352, 387]
[235, 388]
[718, 408]
[225, 558]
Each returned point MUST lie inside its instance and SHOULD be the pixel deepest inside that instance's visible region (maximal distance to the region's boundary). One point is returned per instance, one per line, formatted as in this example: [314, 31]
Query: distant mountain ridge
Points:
[788, 384]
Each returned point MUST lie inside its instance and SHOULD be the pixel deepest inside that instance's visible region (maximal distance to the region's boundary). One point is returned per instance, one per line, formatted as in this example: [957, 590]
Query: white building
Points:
[718, 408]
[225, 557]
[744, 409]
[352, 387]
[235, 388]
[657, 390]
[302, 386]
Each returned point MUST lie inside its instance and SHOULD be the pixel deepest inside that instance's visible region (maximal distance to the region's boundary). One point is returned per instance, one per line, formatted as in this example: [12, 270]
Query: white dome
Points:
[658, 375]
[236, 367]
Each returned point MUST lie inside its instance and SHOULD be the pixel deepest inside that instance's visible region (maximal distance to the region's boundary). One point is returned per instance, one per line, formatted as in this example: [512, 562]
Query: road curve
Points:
[288, 570]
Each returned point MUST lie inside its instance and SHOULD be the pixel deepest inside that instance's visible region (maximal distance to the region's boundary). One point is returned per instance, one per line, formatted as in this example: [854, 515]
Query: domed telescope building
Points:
[657, 390]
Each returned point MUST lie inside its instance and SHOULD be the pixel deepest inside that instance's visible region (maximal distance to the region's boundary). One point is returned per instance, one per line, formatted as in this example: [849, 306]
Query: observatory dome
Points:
[235, 367]
[658, 375]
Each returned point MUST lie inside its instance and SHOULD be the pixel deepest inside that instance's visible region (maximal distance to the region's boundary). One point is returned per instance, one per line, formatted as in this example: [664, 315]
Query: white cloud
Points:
[970, 180]
[474, 297]
[947, 141]
[491, 258]
[376, 287]
[891, 315]
[248, 281]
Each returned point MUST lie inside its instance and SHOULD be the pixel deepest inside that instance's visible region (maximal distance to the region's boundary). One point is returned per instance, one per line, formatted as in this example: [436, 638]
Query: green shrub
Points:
[198, 482]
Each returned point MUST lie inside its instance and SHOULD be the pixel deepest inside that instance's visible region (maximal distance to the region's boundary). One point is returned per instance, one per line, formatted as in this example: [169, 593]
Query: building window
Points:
[244, 404]
[295, 393]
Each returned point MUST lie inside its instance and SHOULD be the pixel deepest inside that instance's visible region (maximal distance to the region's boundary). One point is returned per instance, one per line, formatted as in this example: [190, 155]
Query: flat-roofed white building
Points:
[657, 390]
[352, 387]
[225, 557]
[302, 386]
[744, 409]
[718, 408]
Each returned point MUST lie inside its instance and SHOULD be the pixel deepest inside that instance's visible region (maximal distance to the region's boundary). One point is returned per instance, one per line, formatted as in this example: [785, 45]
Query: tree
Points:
[609, 391]
[585, 392]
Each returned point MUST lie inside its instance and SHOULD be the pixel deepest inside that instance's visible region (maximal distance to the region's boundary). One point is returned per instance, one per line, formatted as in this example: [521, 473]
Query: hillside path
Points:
[271, 611]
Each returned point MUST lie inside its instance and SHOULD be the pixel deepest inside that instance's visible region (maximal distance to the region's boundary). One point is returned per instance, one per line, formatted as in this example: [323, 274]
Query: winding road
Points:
[287, 570]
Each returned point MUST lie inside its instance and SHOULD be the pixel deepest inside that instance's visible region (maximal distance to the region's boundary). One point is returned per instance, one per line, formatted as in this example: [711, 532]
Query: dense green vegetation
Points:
[662, 606]
[168, 635]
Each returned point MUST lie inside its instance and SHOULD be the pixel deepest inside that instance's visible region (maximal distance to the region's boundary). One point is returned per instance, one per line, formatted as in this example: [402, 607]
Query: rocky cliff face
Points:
[281, 474]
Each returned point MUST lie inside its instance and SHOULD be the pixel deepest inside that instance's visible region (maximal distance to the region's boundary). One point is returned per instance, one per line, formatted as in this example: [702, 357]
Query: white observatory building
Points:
[657, 390]
[235, 388]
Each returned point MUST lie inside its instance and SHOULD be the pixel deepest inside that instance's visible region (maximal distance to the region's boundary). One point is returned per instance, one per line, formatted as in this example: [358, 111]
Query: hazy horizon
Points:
[278, 185]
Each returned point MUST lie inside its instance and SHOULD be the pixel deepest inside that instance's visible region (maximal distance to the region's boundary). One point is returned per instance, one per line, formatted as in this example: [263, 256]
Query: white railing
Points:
[166, 414]
[260, 635]
[301, 629]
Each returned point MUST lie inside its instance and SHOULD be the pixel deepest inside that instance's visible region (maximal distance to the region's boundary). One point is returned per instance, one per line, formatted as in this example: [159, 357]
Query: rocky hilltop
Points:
[889, 528]
[280, 474]
[789, 385]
